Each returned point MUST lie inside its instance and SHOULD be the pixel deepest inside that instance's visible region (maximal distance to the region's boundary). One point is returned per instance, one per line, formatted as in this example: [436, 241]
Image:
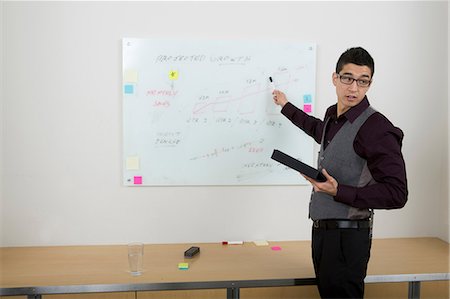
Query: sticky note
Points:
[137, 180]
[130, 76]
[261, 243]
[128, 89]
[132, 163]
[173, 75]
[307, 108]
[276, 248]
[183, 266]
[307, 98]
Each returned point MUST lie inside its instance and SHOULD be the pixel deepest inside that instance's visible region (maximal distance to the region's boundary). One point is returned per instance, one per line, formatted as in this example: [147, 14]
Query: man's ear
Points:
[334, 78]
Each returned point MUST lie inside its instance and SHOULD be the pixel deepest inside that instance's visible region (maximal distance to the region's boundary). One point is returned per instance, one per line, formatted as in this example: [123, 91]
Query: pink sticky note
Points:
[275, 248]
[138, 180]
[307, 108]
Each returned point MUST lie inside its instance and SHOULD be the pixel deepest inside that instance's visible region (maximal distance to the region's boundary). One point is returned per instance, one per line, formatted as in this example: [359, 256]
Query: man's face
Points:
[350, 93]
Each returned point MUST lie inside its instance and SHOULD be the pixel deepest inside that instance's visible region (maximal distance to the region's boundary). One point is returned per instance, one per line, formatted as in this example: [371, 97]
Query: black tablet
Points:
[298, 165]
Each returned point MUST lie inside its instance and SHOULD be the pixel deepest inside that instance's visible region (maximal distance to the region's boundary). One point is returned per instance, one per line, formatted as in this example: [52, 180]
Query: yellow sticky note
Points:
[133, 163]
[261, 243]
[130, 76]
[173, 75]
[183, 266]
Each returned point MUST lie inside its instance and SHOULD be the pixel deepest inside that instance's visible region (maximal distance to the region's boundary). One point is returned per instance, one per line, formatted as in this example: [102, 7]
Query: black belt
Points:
[334, 224]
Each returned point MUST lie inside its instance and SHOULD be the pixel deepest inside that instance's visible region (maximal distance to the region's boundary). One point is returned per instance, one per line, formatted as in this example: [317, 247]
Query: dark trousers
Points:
[340, 258]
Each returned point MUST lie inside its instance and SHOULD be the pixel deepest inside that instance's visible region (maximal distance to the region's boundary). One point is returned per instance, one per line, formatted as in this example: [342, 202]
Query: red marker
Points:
[232, 242]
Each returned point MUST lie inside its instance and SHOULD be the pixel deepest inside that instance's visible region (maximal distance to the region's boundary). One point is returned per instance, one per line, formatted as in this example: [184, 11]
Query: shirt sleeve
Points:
[310, 125]
[379, 142]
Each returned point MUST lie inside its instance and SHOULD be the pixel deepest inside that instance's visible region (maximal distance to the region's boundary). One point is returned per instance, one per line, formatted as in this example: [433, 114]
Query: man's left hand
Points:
[329, 186]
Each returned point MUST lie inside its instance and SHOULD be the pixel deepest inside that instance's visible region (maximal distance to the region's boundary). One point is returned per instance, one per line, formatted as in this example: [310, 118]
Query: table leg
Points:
[414, 290]
[233, 293]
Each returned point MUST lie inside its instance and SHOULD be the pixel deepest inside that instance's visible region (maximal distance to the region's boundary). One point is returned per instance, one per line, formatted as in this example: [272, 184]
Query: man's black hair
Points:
[357, 56]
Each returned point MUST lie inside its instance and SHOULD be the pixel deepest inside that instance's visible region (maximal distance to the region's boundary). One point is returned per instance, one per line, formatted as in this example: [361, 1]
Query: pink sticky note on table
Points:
[307, 108]
[275, 248]
[138, 180]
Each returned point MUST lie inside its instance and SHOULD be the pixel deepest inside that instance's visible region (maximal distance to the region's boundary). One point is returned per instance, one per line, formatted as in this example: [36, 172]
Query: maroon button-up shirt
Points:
[378, 141]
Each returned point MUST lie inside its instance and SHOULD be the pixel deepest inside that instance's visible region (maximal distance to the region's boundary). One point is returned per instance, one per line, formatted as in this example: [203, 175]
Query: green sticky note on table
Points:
[183, 266]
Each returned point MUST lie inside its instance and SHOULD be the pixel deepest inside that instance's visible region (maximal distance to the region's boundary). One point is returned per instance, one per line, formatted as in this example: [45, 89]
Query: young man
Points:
[360, 155]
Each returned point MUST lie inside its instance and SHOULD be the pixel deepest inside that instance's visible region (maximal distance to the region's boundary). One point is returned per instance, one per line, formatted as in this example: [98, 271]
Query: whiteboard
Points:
[201, 112]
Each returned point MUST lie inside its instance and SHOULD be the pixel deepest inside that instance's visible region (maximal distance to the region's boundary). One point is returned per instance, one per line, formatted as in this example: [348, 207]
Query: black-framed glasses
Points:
[347, 80]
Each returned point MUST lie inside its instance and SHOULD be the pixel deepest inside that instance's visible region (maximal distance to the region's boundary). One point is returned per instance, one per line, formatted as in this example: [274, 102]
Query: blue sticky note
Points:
[307, 98]
[128, 89]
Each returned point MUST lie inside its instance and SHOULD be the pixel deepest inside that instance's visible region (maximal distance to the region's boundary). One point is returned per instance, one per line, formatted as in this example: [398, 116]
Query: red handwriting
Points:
[255, 149]
[158, 103]
[162, 92]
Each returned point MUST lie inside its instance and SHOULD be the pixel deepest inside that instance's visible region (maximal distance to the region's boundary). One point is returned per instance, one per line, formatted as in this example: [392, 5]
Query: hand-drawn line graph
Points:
[246, 100]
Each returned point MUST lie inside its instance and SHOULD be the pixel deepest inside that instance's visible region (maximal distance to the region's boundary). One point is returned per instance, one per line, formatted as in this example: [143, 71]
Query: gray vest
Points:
[341, 162]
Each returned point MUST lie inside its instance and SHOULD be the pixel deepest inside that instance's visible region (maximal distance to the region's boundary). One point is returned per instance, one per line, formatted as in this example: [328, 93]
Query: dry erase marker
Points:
[271, 84]
[232, 242]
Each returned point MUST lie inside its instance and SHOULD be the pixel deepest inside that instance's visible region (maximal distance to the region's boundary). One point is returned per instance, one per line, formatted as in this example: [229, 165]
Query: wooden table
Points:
[34, 271]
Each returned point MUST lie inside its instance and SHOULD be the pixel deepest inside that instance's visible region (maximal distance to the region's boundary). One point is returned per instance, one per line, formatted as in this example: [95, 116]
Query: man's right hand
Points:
[279, 98]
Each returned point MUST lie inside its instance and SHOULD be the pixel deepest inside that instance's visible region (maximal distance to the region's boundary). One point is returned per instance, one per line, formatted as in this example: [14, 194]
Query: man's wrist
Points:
[345, 194]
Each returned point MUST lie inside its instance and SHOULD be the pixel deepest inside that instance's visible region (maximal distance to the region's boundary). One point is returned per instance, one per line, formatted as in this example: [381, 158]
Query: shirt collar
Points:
[352, 114]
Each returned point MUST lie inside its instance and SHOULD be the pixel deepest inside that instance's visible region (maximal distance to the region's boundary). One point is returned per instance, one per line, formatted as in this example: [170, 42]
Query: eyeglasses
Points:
[347, 80]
